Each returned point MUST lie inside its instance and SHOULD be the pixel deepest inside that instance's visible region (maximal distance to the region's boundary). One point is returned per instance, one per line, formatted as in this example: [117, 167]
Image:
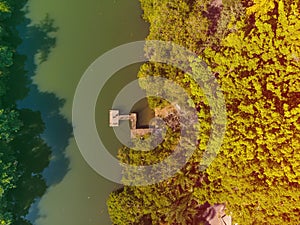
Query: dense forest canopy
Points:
[23, 153]
[253, 48]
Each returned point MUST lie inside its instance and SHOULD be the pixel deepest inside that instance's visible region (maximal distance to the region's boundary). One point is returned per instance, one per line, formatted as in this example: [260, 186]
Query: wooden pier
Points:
[115, 118]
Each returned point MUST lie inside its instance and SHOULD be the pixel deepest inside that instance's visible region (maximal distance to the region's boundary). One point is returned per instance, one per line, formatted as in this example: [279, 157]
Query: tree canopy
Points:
[23, 153]
[252, 47]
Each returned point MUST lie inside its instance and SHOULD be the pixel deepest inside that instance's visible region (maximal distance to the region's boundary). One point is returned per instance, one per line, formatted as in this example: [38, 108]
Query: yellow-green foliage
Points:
[255, 54]
[258, 168]
[4, 7]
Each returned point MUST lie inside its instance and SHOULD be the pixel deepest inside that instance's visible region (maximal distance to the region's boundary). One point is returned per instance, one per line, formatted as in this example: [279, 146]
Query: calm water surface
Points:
[87, 29]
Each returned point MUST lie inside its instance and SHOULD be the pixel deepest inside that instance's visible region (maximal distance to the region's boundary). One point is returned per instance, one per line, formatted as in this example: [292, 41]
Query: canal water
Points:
[87, 29]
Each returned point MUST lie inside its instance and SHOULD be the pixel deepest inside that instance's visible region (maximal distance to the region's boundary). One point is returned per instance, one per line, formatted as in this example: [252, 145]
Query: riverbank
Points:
[251, 51]
[23, 153]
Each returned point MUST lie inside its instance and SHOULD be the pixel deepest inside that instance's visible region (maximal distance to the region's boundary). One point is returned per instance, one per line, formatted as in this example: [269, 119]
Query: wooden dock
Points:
[136, 133]
[115, 118]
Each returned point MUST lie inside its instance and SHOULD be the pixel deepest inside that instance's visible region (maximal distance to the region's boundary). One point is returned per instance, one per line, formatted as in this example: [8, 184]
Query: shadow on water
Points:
[37, 42]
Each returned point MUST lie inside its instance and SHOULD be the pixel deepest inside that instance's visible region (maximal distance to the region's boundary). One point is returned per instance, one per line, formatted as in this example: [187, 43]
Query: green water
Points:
[87, 29]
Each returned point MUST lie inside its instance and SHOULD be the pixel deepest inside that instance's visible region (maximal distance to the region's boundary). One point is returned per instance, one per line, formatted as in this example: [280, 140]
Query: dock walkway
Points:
[114, 121]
